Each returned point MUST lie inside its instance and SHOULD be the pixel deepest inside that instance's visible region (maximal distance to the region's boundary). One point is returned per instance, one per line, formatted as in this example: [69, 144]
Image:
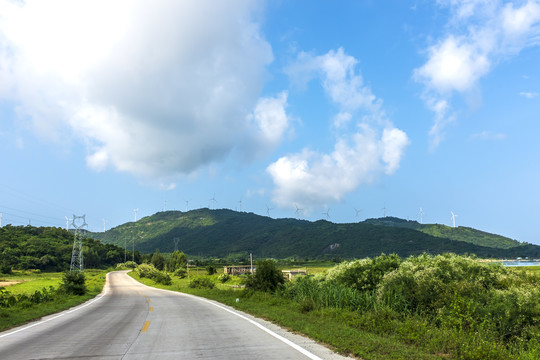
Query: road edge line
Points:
[65, 312]
[235, 312]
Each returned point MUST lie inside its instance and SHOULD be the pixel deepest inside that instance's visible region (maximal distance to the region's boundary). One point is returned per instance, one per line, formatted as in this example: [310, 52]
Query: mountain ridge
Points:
[223, 232]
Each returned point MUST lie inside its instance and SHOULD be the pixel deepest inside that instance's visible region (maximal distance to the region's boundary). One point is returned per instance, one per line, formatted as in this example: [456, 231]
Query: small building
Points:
[291, 274]
[238, 269]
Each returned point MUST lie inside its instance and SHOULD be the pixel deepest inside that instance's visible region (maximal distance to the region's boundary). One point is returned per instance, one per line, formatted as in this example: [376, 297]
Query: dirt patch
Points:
[9, 283]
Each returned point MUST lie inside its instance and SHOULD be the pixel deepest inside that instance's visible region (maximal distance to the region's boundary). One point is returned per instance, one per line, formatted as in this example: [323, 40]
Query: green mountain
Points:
[459, 233]
[223, 233]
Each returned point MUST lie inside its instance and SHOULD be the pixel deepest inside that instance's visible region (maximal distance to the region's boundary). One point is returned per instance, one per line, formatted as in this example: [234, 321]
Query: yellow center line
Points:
[151, 308]
[148, 300]
[145, 326]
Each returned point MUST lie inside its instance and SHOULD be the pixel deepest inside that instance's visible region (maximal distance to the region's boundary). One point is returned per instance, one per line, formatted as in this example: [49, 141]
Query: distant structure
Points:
[240, 205]
[327, 213]
[135, 211]
[187, 205]
[67, 223]
[164, 205]
[104, 225]
[453, 219]
[421, 214]
[239, 269]
[291, 274]
[77, 263]
[268, 210]
[176, 241]
[357, 212]
[213, 200]
[298, 211]
[384, 210]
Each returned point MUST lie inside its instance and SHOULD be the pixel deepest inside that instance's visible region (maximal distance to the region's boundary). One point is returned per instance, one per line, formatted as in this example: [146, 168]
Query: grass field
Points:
[32, 282]
[28, 282]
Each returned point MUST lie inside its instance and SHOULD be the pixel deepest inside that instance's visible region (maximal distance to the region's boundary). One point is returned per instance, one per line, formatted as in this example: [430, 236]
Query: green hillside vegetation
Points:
[49, 249]
[227, 233]
[459, 233]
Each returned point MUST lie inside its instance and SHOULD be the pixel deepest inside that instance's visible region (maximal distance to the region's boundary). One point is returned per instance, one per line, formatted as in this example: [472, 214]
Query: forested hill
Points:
[459, 233]
[49, 249]
[223, 233]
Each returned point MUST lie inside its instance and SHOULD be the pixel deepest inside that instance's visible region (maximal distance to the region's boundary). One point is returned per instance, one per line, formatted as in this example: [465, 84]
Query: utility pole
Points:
[251, 261]
[78, 223]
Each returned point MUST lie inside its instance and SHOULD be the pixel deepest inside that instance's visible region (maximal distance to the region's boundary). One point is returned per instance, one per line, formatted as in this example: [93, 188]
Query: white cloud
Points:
[453, 65]
[481, 34]
[529, 95]
[155, 89]
[488, 135]
[270, 122]
[367, 144]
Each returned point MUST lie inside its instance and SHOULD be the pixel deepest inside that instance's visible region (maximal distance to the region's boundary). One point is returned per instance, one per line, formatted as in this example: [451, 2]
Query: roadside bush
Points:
[73, 282]
[146, 271]
[181, 273]
[162, 278]
[38, 297]
[224, 278]
[364, 274]
[267, 277]
[201, 283]
[150, 272]
[127, 265]
[210, 269]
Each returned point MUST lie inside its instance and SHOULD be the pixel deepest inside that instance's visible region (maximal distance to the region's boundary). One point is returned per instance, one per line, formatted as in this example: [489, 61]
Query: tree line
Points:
[49, 249]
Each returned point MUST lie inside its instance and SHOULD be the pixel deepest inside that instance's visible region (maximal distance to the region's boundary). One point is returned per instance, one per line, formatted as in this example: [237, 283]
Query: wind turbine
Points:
[268, 210]
[384, 210]
[135, 211]
[187, 205]
[104, 225]
[67, 222]
[421, 214]
[213, 200]
[240, 205]
[298, 211]
[453, 218]
[357, 212]
[327, 213]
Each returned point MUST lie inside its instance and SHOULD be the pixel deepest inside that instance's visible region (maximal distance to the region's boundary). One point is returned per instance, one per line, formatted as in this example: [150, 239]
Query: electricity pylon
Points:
[77, 263]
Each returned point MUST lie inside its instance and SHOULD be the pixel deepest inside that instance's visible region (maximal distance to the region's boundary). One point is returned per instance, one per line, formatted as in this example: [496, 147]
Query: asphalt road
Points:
[133, 321]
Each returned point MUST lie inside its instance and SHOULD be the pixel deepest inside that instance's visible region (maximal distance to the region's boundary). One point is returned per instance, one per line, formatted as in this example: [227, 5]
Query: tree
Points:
[178, 260]
[158, 260]
[267, 277]
[74, 282]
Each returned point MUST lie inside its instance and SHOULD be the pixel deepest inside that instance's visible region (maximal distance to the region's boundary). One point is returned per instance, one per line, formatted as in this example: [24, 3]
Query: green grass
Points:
[31, 281]
[15, 316]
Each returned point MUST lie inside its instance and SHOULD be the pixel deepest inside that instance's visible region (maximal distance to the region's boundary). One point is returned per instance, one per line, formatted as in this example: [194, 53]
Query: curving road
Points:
[133, 321]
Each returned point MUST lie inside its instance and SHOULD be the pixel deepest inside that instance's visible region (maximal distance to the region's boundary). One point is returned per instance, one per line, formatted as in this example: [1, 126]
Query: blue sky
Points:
[329, 107]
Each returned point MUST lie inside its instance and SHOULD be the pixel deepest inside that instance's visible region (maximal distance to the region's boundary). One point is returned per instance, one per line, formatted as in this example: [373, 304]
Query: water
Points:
[521, 263]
